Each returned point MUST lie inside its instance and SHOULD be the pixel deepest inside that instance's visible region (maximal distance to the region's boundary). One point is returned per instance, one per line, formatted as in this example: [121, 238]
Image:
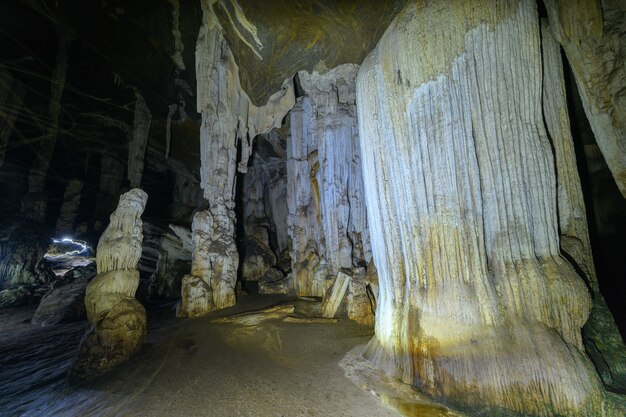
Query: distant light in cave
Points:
[58, 249]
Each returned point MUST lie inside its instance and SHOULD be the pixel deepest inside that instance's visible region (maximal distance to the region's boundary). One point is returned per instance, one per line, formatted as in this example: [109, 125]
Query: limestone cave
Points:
[338, 208]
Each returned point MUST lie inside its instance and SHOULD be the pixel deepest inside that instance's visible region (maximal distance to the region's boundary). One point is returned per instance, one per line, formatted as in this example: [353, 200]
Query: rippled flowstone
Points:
[477, 305]
[118, 320]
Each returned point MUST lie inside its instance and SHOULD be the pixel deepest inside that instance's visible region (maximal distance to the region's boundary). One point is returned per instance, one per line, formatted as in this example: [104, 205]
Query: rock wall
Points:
[327, 216]
[118, 320]
[476, 306]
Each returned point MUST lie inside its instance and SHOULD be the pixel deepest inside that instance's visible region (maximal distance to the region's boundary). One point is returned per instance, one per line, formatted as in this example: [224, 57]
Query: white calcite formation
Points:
[593, 35]
[228, 117]
[476, 305]
[118, 320]
[327, 220]
[139, 140]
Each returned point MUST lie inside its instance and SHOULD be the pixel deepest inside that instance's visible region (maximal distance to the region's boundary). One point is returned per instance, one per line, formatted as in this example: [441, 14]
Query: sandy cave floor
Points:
[189, 368]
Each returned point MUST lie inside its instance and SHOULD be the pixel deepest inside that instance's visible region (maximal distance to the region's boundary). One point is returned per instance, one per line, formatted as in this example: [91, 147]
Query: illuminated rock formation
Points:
[118, 320]
[327, 217]
[228, 117]
[476, 306]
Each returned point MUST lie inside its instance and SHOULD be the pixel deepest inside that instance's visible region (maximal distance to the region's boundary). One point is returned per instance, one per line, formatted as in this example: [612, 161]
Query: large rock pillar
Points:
[476, 304]
[228, 118]
[327, 220]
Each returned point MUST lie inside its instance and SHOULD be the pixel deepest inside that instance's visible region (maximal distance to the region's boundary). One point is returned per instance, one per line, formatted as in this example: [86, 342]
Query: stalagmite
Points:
[118, 320]
[45, 150]
[69, 209]
[12, 94]
[607, 350]
[139, 142]
[476, 305]
[593, 35]
[227, 116]
[327, 216]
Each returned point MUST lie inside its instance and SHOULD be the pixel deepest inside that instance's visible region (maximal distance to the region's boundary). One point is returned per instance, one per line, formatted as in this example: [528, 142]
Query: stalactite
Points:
[476, 304]
[12, 94]
[69, 209]
[139, 142]
[608, 350]
[227, 116]
[327, 217]
[118, 320]
[45, 150]
[593, 35]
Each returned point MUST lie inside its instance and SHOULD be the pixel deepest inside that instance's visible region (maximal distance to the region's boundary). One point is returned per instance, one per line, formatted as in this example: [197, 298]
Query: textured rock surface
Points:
[476, 304]
[69, 209]
[603, 342]
[66, 301]
[174, 261]
[327, 217]
[23, 272]
[118, 320]
[593, 35]
[139, 141]
[348, 297]
[228, 116]
[272, 40]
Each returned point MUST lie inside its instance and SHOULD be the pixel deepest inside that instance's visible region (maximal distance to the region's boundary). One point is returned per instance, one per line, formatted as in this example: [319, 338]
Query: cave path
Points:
[189, 368]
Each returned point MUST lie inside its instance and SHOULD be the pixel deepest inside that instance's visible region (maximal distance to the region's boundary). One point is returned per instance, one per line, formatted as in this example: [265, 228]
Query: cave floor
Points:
[189, 368]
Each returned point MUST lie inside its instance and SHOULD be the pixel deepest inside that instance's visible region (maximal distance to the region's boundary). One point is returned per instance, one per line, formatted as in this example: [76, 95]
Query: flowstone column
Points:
[476, 304]
[327, 220]
[118, 320]
[228, 118]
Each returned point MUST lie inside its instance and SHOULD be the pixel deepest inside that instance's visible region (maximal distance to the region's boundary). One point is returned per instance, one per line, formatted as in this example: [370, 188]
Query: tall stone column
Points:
[476, 304]
[327, 217]
[228, 118]
[118, 320]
